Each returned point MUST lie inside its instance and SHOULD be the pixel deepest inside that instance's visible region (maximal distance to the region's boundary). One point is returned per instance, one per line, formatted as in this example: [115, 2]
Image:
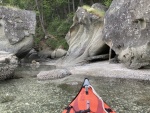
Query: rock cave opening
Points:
[103, 54]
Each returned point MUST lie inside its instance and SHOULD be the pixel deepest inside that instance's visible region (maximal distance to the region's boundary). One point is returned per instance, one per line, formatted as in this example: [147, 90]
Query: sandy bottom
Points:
[26, 94]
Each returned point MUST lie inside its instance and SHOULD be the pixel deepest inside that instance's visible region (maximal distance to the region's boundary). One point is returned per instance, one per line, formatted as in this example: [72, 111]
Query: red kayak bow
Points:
[87, 101]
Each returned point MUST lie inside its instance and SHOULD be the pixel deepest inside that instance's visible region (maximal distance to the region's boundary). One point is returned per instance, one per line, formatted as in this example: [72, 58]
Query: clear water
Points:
[26, 94]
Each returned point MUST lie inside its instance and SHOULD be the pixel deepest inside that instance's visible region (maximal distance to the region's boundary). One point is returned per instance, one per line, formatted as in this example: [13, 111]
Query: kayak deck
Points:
[88, 101]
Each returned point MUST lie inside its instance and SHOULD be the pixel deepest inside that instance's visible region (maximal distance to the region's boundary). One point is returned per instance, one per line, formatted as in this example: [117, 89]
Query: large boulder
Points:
[127, 31]
[85, 35]
[16, 30]
[8, 64]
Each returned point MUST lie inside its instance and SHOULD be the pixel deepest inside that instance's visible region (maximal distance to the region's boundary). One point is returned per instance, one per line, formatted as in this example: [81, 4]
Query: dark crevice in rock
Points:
[104, 55]
[114, 57]
[120, 46]
[22, 55]
[113, 54]
[103, 50]
[141, 22]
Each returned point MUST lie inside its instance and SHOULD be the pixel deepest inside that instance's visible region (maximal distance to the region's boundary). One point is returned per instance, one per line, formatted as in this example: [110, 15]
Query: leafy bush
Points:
[56, 43]
[59, 28]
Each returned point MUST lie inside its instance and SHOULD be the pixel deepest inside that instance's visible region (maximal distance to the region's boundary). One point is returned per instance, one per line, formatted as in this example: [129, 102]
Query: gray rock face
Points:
[8, 64]
[16, 30]
[85, 35]
[127, 31]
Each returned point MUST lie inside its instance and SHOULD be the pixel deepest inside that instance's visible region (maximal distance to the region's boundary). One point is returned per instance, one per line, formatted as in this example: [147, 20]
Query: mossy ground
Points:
[94, 11]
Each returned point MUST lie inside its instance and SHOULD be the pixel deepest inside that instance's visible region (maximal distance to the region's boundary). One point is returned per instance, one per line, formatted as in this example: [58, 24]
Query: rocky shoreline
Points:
[98, 69]
[105, 69]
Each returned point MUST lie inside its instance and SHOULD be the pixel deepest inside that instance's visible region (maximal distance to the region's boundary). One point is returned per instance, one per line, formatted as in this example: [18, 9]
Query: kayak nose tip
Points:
[86, 82]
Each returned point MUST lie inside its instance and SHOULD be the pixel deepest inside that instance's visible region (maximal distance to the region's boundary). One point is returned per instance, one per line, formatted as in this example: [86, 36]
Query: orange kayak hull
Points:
[84, 101]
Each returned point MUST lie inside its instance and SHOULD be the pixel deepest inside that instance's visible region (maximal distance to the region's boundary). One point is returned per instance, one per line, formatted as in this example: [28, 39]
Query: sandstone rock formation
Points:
[127, 31]
[85, 35]
[8, 64]
[16, 30]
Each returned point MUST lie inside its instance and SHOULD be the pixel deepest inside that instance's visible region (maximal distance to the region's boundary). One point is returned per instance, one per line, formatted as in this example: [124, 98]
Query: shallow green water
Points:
[25, 94]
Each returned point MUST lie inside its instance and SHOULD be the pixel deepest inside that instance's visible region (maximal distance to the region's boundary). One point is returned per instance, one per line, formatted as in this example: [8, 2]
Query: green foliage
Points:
[107, 2]
[38, 36]
[93, 11]
[23, 4]
[59, 28]
[13, 7]
[86, 7]
[65, 25]
[56, 43]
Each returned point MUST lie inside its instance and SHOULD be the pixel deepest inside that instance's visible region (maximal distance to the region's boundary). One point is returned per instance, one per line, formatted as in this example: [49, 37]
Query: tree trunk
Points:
[42, 22]
[69, 6]
[73, 5]
[65, 12]
[40, 17]
[110, 50]
[81, 2]
[91, 2]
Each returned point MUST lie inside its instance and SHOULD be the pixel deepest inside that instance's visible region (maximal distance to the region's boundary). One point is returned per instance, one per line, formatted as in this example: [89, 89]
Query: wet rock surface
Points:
[126, 31]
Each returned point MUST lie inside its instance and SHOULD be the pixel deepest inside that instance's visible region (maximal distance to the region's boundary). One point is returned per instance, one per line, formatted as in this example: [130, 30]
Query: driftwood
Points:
[99, 57]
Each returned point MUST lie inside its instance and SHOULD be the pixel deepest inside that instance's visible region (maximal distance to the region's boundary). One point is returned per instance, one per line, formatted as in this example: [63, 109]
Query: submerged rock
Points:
[53, 74]
[127, 30]
[16, 30]
[8, 64]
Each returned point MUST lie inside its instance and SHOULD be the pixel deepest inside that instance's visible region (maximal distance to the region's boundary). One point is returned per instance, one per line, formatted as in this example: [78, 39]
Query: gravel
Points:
[119, 87]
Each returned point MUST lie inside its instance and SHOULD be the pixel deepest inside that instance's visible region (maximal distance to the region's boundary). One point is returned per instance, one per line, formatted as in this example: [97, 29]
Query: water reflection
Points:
[32, 70]
[124, 95]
